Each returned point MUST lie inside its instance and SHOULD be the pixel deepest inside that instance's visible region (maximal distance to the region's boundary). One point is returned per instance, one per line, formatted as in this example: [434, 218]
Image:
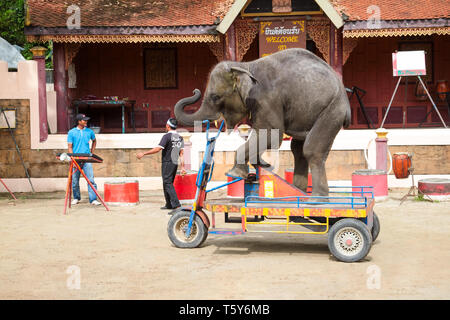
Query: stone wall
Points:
[427, 159]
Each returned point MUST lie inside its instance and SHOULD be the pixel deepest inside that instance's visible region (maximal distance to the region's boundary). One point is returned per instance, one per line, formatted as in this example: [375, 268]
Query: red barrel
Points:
[185, 186]
[435, 188]
[122, 193]
[401, 162]
[371, 178]
[289, 177]
[235, 189]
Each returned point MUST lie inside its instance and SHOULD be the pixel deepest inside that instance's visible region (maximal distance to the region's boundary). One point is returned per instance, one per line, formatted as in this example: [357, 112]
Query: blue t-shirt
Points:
[80, 139]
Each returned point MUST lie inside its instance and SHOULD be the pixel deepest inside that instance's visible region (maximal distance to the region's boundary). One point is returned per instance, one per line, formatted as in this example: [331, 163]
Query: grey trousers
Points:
[169, 171]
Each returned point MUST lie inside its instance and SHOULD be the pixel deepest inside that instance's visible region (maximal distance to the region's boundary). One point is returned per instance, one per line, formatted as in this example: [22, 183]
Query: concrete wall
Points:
[23, 84]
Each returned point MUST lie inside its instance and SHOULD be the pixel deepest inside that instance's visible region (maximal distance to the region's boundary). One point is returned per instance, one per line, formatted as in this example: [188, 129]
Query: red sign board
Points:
[277, 36]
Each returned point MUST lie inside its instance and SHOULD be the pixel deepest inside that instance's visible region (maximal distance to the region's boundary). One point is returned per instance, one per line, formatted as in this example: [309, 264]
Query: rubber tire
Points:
[200, 237]
[375, 228]
[361, 228]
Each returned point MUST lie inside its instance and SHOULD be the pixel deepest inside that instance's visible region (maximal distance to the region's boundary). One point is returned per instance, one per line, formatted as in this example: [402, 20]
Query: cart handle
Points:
[207, 130]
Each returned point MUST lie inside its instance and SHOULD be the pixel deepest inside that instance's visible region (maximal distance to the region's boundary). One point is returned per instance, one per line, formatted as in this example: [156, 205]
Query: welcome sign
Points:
[276, 36]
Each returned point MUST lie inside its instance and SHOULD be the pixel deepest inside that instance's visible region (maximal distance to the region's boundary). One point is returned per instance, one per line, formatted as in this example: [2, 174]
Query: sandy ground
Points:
[126, 254]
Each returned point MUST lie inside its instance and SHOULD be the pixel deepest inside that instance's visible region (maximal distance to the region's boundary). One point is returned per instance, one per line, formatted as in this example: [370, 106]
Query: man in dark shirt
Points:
[172, 147]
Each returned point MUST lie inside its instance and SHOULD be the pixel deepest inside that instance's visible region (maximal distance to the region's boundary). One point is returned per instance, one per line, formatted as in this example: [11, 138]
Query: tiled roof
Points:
[393, 9]
[135, 13]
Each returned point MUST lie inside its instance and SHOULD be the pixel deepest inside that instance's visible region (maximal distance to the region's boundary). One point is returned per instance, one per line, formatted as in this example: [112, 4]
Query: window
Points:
[160, 68]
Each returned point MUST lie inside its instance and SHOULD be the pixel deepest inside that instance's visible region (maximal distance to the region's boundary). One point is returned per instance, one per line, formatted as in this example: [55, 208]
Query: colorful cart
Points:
[271, 204]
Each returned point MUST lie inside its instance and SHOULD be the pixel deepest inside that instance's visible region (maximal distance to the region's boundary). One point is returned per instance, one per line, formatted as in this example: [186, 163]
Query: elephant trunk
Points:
[202, 114]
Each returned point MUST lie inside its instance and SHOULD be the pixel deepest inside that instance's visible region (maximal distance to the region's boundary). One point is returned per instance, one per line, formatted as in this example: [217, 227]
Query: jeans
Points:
[89, 172]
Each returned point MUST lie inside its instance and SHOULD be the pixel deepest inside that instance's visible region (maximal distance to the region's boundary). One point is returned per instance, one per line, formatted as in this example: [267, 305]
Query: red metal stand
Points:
[68, 197]
[4, 184]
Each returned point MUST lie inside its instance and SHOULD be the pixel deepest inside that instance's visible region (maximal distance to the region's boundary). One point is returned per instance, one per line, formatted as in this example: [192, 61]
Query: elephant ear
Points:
[242, 70]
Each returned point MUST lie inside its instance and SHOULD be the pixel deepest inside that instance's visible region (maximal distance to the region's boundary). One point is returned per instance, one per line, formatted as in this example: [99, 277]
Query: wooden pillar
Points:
[39, 57]
[60, 80]
[332, 49]
[339, 51]
[230, 45]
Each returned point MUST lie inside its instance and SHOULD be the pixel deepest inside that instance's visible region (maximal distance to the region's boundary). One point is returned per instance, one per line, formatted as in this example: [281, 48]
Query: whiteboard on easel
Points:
[409, 63]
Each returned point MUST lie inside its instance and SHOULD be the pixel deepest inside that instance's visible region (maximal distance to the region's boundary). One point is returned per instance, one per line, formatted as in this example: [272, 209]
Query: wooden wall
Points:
[118, 70]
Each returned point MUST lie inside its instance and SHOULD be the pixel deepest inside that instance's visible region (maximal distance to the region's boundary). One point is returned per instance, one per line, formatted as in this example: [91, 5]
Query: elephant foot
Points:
[261, 163]
[238, 171]
[325, 200]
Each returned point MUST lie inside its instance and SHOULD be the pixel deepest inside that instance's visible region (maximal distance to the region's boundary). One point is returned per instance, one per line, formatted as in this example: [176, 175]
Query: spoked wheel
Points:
[349, 240]
[375, 227]
[178, 225]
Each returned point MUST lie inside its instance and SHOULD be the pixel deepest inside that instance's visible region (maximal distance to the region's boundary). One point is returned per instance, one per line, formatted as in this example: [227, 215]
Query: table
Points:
[108, 103]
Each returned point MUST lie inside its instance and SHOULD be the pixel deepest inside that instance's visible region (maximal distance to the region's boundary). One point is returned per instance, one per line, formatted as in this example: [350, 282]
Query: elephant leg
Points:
[300, 165]
[258, 141]
[267, 140]
[316, 148]
[243, 156]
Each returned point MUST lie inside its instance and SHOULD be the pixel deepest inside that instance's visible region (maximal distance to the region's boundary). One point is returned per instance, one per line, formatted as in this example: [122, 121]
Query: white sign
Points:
[409, 63]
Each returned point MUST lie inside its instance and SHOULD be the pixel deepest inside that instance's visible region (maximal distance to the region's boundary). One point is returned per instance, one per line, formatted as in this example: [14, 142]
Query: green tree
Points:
[12, 21]
[12, 24]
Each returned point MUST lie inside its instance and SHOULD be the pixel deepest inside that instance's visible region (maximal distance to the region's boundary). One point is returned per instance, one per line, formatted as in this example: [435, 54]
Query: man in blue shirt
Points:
[78, 141]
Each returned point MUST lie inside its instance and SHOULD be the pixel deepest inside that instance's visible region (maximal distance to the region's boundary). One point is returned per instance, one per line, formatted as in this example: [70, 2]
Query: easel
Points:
[2, 111]
[76, 166]
[12, 194]
[428, 94]
[413, 188]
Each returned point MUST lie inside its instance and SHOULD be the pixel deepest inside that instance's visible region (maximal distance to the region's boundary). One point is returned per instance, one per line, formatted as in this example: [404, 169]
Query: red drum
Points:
[185, 186]
[235, 190]
[289, 177]
[373, 178]
[401, 162]
[435, 188]
[122, 193]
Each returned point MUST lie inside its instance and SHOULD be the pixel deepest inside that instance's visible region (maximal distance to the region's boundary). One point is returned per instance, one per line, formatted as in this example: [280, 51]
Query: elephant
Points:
[293, 91]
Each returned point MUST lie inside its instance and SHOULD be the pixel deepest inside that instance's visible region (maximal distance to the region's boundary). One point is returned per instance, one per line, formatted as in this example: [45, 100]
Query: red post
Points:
[39, 57]
[60, 80]
[381, 148]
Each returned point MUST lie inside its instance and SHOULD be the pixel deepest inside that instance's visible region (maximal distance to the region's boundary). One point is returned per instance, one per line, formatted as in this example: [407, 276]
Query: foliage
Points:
[12, 24]
[12, 21]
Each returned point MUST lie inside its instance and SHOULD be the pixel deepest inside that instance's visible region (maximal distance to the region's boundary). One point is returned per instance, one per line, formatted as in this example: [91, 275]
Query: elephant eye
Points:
[214, 97]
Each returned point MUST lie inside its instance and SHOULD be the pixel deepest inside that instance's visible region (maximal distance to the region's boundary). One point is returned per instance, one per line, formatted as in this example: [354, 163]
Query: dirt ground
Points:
[126, 254]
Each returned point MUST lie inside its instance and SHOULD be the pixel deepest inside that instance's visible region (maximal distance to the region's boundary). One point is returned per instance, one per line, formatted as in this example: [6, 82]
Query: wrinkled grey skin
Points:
[291, 90]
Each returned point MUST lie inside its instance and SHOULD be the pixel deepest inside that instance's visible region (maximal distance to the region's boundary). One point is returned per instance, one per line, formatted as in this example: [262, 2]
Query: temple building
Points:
[127, 63]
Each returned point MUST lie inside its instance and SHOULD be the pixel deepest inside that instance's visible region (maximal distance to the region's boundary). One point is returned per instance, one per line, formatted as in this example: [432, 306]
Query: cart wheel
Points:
[349, 240]
[375, 227]
[177, 226]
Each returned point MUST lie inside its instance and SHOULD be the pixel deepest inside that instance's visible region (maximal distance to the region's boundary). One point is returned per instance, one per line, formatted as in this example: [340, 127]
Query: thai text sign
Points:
[278, 36]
